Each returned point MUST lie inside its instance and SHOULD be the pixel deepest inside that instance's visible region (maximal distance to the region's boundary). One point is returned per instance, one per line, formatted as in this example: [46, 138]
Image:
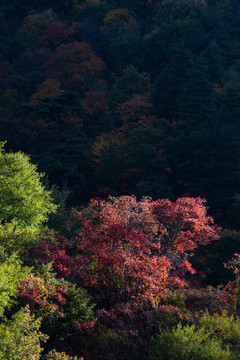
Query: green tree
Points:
[20, 338]
[11, 272]
[197, 103]
[130, 82]
[24, 202]
[213, 338]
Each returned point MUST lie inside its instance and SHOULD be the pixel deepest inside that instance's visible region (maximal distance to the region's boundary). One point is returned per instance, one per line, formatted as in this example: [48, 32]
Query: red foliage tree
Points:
[42, 296]
[121, 263]
[186, 225]
[129, 247]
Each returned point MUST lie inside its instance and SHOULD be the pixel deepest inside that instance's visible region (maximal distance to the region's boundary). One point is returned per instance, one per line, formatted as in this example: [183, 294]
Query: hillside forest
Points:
[119, 180]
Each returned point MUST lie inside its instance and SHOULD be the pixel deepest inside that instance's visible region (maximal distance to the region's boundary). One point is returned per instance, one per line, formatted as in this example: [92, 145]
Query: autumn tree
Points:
[48, 88]
[186, 226]
[127, 249]
[135, 109]
[75, 65]
[42, 29]
[56, 301]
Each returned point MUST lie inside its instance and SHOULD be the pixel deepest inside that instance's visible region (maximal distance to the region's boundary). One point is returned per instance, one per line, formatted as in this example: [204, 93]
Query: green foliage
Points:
[197, 103]
[229, 96]
[24, 202]
[13, 237]
[234, 213]
[176, 298]
[224, 327]
[168, 83]
[23, 197]
[214, 337]
[187, 343]
[58, 141]
[129, 83]
[20, 338]
[11, 272]
[77, 306]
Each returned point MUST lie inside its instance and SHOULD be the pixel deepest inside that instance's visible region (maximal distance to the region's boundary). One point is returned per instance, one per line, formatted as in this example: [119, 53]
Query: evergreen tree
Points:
[197, 103]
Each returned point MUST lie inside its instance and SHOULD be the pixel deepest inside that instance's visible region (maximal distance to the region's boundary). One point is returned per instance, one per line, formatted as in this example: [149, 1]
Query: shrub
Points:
[187, 343]
[214, 337]
[20, 338]
[11, 272]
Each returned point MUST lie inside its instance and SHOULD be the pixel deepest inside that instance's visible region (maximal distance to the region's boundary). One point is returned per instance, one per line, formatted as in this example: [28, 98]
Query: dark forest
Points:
[120, 180]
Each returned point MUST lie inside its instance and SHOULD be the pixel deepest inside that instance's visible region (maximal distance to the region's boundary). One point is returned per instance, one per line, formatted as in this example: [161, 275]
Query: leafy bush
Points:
[20, 338]
[11, 272]
[225, 328]
[186, 343]
[212, 338]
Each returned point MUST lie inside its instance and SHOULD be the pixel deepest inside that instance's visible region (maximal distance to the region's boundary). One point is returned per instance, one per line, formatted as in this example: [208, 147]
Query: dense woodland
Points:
[120, 143]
